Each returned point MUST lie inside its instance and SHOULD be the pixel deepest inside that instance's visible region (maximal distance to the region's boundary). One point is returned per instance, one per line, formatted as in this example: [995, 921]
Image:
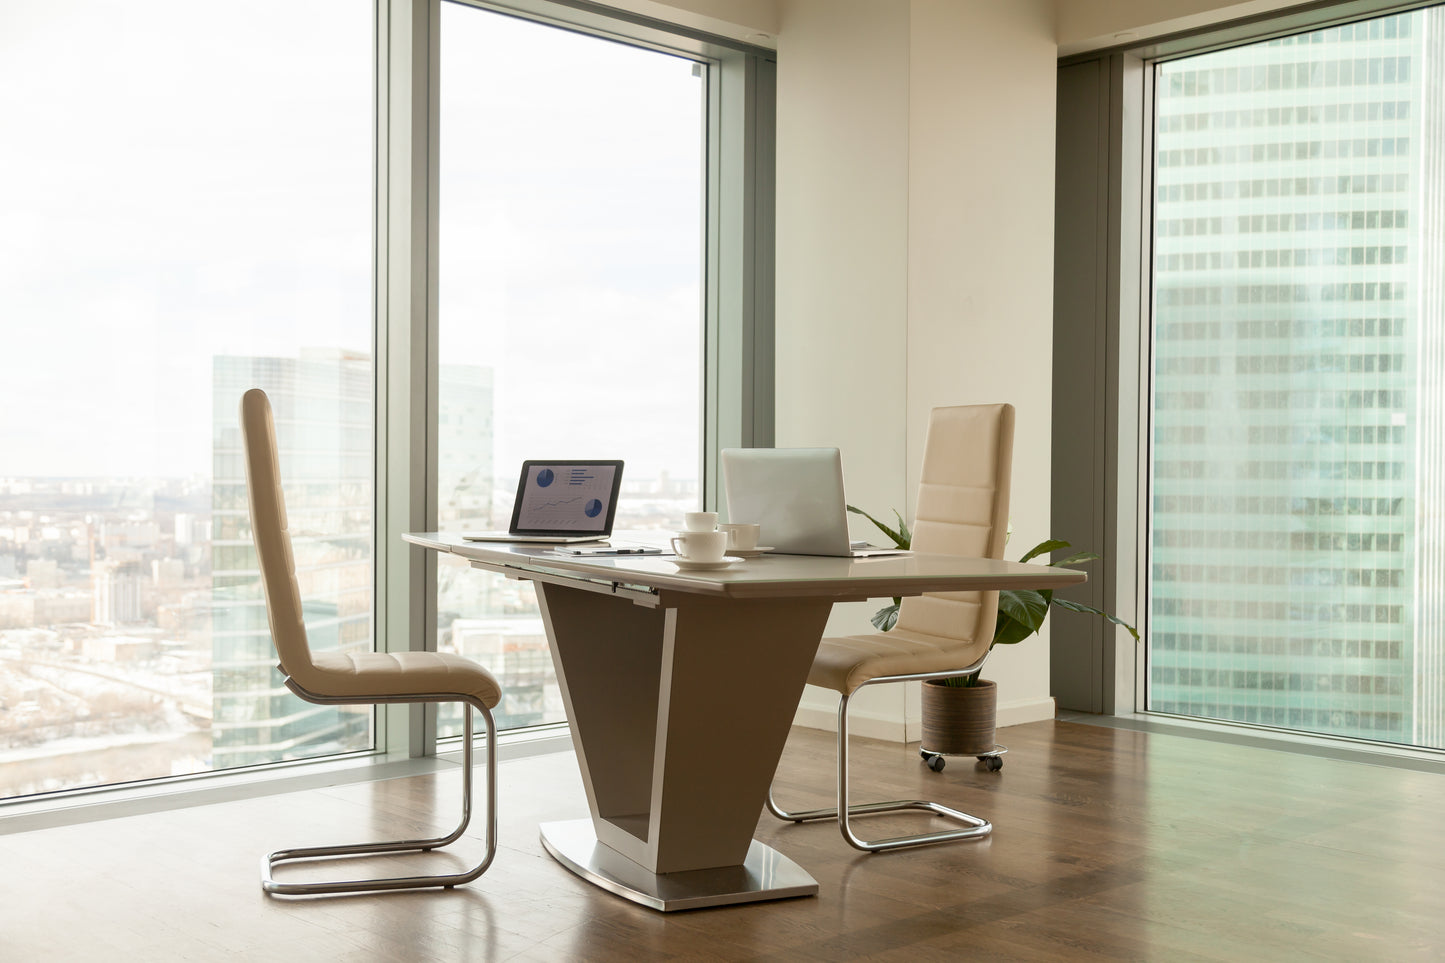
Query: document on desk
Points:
[593, 551]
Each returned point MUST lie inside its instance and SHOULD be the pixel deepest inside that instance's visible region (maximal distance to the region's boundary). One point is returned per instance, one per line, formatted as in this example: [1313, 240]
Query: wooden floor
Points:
[1108, 845]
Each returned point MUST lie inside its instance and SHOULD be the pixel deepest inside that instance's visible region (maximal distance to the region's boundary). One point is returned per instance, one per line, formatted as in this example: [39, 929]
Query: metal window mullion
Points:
[712, 428]
[406, 343]
[738, 368]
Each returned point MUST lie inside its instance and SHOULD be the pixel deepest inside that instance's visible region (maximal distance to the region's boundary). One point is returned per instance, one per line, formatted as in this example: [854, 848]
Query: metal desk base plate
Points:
[765, 874]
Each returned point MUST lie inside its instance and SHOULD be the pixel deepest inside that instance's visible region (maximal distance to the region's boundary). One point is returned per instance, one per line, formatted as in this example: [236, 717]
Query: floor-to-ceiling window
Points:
[1297, 558]
[197, 199]
[186, 196]
[572, 191]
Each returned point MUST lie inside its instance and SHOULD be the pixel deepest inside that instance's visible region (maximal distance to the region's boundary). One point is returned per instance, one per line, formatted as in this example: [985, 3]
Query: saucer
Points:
[689, 565]
[751, 552]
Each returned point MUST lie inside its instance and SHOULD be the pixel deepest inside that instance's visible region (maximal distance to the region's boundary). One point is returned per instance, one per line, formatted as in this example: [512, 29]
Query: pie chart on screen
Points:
[593, 508]
[545, 477]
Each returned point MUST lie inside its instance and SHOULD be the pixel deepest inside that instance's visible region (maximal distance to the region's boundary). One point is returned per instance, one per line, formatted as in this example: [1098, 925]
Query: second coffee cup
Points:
[700, 546]
[742, 536]
[699, 521]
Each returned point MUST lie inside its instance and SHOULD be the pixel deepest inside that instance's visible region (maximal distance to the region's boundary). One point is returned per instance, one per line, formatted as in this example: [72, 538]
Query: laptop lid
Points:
[566, 498]
[795, 494]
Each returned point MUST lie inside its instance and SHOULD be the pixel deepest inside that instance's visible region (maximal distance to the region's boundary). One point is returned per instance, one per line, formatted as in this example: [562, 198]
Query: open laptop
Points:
[796, 495]
[561, 501]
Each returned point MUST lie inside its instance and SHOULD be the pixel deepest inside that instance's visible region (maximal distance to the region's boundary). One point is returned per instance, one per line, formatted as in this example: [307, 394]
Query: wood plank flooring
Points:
[1108, 845]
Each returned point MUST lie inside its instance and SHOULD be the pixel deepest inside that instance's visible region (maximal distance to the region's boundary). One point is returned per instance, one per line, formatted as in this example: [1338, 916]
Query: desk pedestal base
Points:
[765, 874]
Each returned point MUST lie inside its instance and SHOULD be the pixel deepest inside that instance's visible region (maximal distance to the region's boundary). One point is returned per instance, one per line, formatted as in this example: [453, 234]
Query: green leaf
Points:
[1047, 545]
[1020, 613]
[1028, 606]
[1090, 610]
[1009, 631]
[885, 618]
[905, 537]
[903, 540]
[1076, 559]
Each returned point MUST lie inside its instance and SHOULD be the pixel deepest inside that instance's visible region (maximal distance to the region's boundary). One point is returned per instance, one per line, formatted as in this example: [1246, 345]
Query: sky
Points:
[180, 180]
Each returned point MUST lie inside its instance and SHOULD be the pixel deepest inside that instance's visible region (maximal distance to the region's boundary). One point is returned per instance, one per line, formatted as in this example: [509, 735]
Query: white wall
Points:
[915, 225]
[842, 262]
[980, 262]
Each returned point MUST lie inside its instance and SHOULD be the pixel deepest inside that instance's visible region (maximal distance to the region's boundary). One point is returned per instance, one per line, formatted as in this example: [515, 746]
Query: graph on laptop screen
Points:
[565, 497]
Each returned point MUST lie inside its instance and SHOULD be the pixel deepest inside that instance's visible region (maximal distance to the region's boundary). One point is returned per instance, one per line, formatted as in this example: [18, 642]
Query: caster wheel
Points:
[990, 763]
[935, 761]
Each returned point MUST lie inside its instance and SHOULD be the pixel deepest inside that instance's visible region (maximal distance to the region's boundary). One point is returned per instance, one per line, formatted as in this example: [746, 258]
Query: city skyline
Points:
[133, 638]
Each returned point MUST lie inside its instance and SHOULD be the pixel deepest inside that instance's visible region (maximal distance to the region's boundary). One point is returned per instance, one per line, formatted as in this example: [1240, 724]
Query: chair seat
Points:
[361, 674]
[843, 664]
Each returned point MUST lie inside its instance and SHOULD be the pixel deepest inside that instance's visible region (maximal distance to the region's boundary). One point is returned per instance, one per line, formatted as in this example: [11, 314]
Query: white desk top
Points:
[767, 576]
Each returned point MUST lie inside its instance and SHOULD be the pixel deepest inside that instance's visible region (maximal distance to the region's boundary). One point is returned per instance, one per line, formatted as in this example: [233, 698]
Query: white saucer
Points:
[689, 565]
[752, 552]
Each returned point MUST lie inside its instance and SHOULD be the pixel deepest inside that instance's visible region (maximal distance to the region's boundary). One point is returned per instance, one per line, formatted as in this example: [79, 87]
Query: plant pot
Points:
[959, 720]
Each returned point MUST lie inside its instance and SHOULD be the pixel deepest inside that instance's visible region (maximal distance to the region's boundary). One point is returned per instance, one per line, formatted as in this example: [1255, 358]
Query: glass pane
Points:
[570, 302]
[185, 212]
[1298, 422]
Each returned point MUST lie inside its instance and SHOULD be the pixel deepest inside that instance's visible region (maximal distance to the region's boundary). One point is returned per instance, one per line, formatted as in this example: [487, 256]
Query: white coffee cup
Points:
[700, 546]
[699, 521]
[742, 536]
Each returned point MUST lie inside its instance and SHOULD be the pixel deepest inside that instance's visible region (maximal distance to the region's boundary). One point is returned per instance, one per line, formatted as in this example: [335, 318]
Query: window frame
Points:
[1103, 300]
[737, 363]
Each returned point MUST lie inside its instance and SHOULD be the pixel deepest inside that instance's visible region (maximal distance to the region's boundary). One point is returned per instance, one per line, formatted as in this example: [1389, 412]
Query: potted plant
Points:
[959, 712]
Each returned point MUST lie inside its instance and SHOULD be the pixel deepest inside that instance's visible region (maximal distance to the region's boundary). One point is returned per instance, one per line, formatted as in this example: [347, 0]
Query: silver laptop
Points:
[796, 495]
[561, 501]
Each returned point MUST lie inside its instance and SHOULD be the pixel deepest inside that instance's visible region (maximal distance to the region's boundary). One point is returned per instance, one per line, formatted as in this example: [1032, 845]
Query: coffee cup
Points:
[699, 521]
[742, 536]
[700, 546]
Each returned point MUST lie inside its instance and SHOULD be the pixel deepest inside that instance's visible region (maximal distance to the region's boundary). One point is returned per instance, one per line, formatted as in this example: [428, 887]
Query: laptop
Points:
[796, 495]
[561, 501]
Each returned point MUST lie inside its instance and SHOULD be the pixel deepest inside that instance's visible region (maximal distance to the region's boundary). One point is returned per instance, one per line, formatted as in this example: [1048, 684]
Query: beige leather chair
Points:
[343, 678]
[962, 510]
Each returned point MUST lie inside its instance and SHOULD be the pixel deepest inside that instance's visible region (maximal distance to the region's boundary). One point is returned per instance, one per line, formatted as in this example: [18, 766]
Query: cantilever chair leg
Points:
[976, 827]
[269, 862]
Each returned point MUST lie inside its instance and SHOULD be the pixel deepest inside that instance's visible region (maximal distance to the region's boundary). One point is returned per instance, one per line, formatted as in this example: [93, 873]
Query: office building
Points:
[323, 414]
[117, 593]
[257, 718]
[1295, 402]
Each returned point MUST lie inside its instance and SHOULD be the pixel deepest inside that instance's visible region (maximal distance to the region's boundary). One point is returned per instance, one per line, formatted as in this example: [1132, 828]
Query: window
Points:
[1297, 412]
[196, 199]
[571, 310]
[185, 211]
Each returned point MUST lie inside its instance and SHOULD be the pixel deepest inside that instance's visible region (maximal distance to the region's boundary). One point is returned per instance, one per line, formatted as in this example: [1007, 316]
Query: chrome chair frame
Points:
[270, 861]
[977, 828]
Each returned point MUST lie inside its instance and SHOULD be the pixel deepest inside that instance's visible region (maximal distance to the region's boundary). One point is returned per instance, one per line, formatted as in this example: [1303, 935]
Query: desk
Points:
[680, 688]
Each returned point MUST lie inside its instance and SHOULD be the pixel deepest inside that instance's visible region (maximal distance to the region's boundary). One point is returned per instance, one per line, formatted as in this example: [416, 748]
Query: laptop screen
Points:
[571, 497]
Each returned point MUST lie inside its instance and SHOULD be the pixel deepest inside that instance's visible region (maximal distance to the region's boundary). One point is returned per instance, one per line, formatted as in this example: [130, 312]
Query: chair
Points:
[343, 678]
[962, 510]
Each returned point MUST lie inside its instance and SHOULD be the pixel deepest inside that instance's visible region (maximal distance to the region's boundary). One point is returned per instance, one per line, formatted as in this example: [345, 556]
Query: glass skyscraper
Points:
[1296, 562]
[323, 411]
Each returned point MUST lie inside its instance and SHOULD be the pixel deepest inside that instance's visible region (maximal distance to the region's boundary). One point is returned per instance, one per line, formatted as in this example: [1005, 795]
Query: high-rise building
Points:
[323, 412]
[1298, 424]
[117, 588]
[515, 651]
[323, 408]
[464, 424]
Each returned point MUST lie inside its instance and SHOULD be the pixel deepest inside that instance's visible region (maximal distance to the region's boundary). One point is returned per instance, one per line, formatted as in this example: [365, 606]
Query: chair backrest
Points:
[962, 510]
[269, 532]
